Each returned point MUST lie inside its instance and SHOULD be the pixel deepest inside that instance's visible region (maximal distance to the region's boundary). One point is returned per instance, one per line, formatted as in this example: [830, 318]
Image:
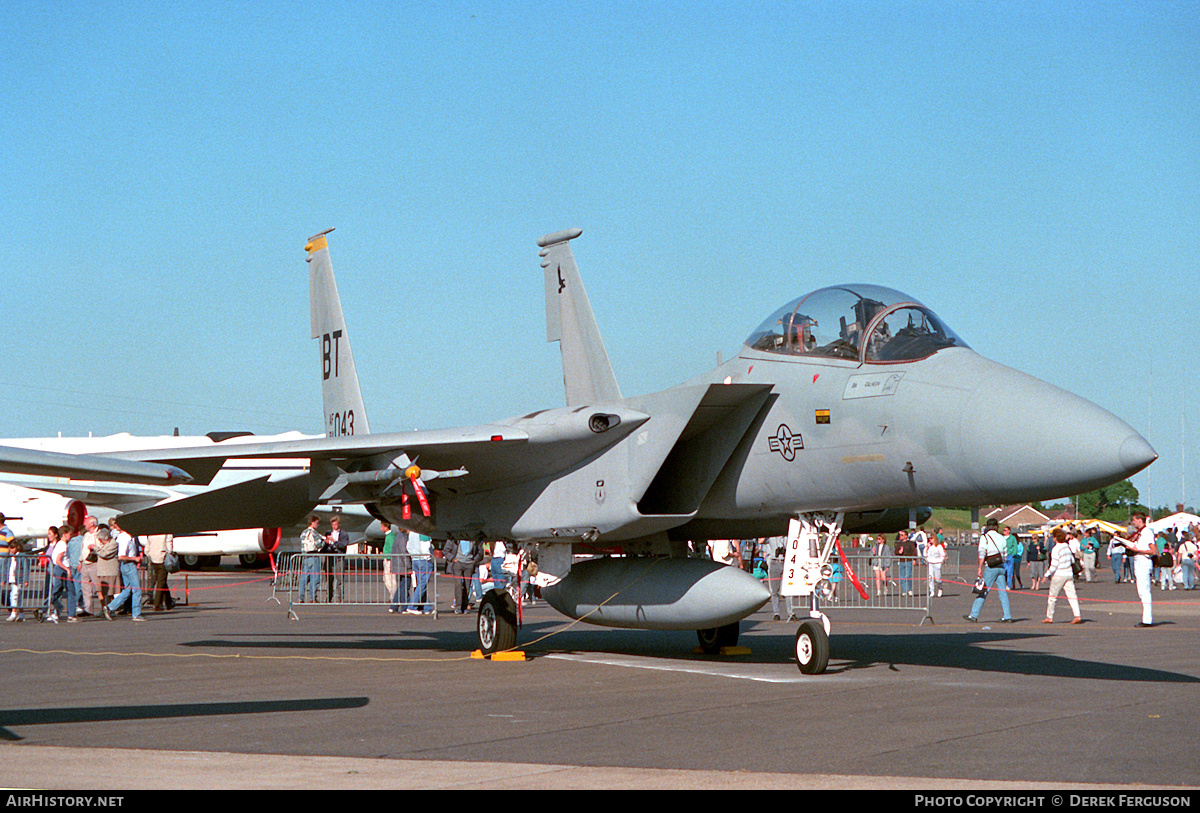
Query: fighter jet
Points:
[844, 404]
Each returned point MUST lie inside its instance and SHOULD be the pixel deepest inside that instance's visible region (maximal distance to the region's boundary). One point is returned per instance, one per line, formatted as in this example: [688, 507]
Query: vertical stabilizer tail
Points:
[344, 411]
[587, 374]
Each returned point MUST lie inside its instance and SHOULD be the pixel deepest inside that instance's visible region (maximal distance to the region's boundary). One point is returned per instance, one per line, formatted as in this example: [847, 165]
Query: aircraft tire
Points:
[812, 647]
[248, 560]
[496, 624]
[714, 638]
[190, 562]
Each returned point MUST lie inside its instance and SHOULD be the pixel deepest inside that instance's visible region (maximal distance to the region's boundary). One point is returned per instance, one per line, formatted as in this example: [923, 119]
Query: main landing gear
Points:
[712, 640]
[497, 622]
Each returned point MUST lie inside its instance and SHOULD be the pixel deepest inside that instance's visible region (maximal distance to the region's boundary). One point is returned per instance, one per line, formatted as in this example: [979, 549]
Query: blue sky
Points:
[1029, 170]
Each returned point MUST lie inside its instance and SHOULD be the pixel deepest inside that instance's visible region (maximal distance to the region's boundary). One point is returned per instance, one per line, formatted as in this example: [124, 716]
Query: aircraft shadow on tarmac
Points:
[107, 714]
[849, 651]
[971, 651]
[445, 640]
[855, 651]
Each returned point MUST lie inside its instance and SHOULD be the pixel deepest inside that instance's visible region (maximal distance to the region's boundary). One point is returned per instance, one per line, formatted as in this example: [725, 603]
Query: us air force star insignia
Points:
[785, 442]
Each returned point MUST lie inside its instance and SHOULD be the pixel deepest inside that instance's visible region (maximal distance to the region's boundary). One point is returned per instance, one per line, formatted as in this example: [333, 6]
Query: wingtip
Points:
[177, 476]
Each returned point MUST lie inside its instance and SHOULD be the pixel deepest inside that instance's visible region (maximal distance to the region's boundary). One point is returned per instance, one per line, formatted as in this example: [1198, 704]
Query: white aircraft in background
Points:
[57, 464]
[32, 504]
[273, 493]
[37, 462]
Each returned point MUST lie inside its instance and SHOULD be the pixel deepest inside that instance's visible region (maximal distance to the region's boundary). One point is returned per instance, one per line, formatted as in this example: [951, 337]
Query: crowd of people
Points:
[1052, 562]
[90, 571]
[1069, 553]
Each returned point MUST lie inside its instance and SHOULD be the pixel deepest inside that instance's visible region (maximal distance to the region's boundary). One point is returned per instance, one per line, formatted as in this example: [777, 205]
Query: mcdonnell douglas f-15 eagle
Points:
[844, 404]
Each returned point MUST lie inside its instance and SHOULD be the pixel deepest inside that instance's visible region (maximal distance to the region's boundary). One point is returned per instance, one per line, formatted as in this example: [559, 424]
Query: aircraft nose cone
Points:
[1136, 453]
[1026, 440]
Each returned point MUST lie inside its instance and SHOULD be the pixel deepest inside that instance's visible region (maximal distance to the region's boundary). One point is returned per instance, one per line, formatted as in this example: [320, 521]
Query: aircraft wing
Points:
[121, 496]
[357, 451]
[697, 429]
[478, 457]
[260, 503]
[365, 468]
[89, 467]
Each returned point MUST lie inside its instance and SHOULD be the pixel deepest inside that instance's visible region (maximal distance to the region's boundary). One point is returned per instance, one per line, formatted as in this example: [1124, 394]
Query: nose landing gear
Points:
[812, 647]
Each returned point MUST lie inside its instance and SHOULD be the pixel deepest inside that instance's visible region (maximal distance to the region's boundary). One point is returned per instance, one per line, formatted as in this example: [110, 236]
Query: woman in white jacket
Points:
[935, 556]
[1061, 576]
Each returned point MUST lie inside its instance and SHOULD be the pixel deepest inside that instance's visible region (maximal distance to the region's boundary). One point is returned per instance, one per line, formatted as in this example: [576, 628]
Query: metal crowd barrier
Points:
[26, 584]
[357, 579]
[905, 584]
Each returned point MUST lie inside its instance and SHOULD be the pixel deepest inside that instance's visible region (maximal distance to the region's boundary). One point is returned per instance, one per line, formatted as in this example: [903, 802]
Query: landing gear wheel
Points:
[714, 638]
[497, 623]
[812, 647]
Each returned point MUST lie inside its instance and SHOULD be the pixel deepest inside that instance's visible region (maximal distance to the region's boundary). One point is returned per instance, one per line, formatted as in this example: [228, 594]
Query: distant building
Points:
[1019, 517]
[1068, 514]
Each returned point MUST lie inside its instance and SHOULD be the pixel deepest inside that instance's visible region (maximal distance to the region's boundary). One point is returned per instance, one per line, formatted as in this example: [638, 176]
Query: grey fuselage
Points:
[795, 434]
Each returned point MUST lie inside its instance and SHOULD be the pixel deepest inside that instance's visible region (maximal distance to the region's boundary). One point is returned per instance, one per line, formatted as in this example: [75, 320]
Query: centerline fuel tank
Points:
[657, 593]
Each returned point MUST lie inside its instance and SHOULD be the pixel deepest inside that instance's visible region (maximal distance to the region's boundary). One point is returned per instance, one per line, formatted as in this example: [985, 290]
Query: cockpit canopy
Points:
[832, 323]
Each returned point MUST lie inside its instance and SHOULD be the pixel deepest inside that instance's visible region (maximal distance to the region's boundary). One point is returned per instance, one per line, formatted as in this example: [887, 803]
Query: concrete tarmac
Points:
[227, 692]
